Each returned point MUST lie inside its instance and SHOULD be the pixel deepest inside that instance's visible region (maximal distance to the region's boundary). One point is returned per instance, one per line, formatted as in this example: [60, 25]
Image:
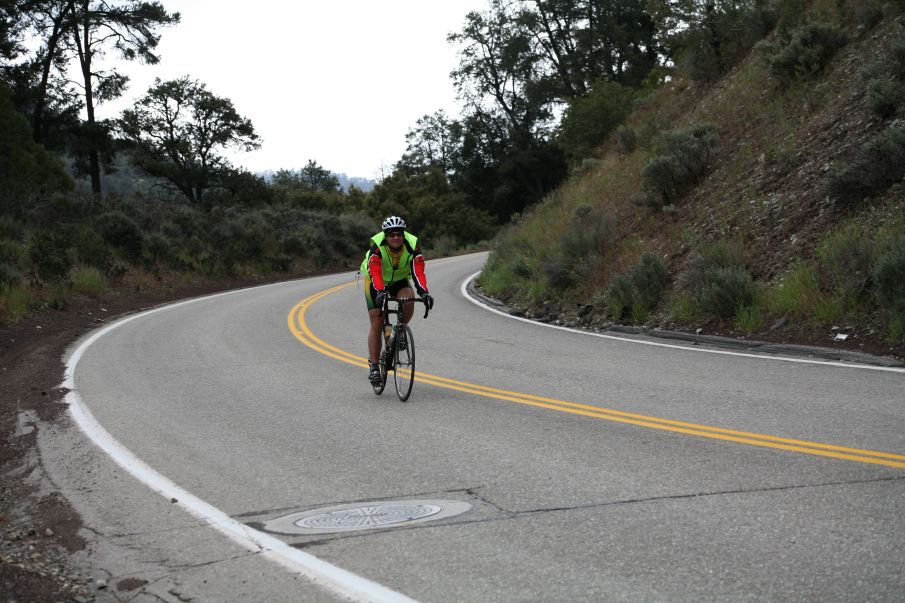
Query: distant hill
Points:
[345, 181]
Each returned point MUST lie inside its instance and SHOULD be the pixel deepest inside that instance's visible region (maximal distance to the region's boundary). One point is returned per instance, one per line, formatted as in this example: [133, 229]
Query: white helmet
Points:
[393, 223]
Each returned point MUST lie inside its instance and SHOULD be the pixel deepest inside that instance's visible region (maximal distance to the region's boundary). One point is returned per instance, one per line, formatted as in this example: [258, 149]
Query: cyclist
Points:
[394, 258]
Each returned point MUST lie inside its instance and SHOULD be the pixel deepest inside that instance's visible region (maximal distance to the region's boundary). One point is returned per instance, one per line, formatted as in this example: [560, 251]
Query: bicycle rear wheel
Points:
[404, 371]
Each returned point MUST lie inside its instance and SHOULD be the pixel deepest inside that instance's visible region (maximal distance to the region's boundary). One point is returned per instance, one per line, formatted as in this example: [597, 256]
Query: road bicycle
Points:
[398, 353]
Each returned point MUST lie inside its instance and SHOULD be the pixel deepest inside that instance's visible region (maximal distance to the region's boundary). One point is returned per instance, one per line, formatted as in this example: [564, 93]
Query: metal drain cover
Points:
[366, 516]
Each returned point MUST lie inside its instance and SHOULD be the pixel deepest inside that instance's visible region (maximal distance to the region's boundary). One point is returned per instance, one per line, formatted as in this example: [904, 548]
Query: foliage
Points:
[802, 52]
[718, 34]
[87, 280]
[27, 171]
[130, 28]
[639, 291]
[589, 119]
[626, 140]
[684, 157]
[885, 97]
[889, 278]
[312, 178]
[178, 132]
[49, 256]
[875, 166]
[797, 295]
[725, 291]
[845, 259]
[649, 277]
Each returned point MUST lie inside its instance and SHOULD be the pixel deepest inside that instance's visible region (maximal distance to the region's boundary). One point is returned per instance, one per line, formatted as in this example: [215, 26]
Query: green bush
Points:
[626, 140]
[896, 328]
[14, 302]
[92, 250]
[884, 97]
[877, 165]
[845, 258]
[803, 53]
[898, 57]
[620, 296]
[87, 280]
[649, 278]
[683, 158]
[725, 34]
[122, 233]
[889, 279]
[725, 291]
[589, 119]
[49, 255]
[798, 293]
[868, 14]
[9, 275]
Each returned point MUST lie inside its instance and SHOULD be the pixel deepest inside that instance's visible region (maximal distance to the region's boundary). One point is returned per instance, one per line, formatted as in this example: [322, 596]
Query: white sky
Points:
[337, 81]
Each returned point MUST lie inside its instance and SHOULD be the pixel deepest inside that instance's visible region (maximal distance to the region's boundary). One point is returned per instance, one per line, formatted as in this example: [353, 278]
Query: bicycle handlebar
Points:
[402, 300]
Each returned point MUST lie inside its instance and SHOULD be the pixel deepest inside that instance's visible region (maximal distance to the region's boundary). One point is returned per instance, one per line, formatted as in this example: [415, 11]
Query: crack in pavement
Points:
[510, 515]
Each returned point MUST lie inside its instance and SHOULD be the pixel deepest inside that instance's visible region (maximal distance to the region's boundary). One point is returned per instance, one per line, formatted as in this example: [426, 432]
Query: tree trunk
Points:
[83, 44]
[41, 101]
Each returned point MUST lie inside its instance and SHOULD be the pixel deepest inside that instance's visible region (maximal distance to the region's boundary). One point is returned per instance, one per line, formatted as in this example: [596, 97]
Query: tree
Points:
[95, 25]
[432, 143]
[178, 130]
[497, 65]
[310, 179]
[27, 171]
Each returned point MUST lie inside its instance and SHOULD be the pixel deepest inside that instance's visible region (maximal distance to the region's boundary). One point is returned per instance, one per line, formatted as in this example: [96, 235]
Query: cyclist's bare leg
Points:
[374, 334]
[409, 306]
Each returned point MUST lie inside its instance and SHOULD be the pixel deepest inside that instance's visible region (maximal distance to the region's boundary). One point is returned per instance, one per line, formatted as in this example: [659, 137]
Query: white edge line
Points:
[337, 580]
[869, 367]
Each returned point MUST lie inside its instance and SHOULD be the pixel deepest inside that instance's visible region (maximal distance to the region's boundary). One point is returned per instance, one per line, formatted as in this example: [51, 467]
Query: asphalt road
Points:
[635, 472]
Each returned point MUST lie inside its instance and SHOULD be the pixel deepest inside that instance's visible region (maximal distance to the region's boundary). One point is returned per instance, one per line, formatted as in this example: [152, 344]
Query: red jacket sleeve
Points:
[418, 270]
[375, 268]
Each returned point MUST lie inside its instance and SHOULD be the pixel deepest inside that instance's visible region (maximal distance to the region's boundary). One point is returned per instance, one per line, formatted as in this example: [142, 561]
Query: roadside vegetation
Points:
[757, 193]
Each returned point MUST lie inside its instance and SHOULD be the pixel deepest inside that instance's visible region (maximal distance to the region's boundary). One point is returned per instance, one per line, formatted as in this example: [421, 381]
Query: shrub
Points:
[13, 303]
[877, 165]
[898, 57]
[725, 291]
[889, 279]
[92, 250]
[868, 14]
[49, 256]
[844, 259]
[798, 293]
[805, 51]
[9, 275]
[11, 230]
[123, 233]
[648, 278]
[896, 328]
[87, 280]
[749, 318]
[884, 97]
[725, 34]
[684, 157]
[619, 295]
[590, 118]
[626, 140]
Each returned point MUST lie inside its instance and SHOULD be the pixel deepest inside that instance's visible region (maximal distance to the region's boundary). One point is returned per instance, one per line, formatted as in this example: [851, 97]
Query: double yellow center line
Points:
[303, 333]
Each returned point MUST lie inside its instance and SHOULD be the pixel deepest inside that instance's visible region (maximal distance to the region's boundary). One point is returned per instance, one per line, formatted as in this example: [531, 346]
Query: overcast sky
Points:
[338, 81]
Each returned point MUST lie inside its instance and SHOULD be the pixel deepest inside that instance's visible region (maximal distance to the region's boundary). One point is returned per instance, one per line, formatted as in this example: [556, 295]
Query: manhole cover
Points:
[366, 516]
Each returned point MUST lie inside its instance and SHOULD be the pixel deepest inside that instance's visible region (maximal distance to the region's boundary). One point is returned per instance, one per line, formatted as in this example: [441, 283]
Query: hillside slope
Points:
[760, 246]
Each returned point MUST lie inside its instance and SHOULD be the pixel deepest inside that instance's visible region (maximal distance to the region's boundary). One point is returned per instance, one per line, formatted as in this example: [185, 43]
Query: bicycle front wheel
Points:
[404, 372]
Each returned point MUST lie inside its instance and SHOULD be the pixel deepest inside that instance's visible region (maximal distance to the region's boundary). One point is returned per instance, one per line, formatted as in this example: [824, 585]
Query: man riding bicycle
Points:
[394, 258]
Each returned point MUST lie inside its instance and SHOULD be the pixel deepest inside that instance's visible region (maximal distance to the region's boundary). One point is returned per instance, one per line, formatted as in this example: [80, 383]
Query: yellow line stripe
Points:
[299, 327]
